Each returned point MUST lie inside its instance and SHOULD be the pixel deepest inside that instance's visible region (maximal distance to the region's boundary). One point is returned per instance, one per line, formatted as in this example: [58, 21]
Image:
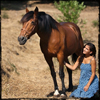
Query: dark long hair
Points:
[92, 48]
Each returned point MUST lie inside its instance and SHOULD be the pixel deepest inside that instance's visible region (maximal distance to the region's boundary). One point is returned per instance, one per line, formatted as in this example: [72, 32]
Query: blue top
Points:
[84, 79]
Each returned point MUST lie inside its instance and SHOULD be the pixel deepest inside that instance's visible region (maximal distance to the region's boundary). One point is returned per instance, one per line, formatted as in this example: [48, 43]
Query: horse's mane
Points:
[27, 17]
[45, 21]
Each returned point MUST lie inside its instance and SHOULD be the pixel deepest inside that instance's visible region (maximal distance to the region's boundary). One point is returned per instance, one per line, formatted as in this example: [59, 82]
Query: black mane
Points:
[27, 17]
[45, 21]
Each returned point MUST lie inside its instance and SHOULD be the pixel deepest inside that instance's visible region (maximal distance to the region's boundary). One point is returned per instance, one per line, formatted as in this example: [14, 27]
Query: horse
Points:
[58, 40]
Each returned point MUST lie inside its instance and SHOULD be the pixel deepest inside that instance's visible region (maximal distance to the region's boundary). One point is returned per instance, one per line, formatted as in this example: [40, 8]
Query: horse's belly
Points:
[71, 46]
[52, 52]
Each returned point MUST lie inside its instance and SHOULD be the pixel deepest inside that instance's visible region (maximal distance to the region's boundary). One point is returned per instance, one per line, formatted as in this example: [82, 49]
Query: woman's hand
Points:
[86, 88]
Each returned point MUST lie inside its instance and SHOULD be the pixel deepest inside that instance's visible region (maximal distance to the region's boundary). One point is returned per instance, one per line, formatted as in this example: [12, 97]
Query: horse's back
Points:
[74, 29]
[74, 42]
[72, 26]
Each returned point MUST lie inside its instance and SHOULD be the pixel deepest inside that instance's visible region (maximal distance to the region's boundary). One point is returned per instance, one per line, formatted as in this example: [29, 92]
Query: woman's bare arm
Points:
[73, 67]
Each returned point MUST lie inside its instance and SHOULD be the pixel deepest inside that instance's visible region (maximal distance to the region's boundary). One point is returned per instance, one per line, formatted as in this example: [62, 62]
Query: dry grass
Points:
[34, 79]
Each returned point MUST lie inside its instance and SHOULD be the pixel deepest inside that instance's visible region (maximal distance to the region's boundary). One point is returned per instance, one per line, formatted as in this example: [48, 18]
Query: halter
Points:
[26, 32]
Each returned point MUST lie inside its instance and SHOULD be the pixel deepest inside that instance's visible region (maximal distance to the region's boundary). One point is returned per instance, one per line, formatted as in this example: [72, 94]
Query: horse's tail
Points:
[74, 57]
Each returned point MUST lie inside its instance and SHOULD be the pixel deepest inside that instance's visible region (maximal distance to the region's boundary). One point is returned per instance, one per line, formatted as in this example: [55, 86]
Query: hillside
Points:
[25, 72]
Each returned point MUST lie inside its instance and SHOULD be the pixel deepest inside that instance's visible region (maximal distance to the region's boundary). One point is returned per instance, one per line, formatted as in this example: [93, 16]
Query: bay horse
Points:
[56, 40]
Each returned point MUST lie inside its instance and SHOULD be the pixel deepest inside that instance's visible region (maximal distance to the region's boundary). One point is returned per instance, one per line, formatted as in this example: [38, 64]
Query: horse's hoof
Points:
[56, 93]
[69, 89]
[63, 96]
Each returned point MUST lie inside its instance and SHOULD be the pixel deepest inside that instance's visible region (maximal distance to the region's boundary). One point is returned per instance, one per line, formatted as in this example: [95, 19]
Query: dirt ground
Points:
[25, 72]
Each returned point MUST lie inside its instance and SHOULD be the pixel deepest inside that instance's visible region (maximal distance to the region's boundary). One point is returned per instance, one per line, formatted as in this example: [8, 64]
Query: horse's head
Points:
[29, 26]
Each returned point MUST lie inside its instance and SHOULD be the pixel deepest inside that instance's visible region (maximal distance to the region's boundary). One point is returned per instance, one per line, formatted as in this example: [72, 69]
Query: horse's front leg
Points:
[53, 74]
[61, 72]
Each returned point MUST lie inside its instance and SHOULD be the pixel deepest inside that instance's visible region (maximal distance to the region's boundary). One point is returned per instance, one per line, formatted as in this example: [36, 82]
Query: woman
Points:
[88, 83]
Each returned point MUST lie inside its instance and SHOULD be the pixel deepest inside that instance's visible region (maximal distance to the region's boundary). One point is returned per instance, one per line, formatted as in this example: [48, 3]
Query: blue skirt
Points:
[80, 93]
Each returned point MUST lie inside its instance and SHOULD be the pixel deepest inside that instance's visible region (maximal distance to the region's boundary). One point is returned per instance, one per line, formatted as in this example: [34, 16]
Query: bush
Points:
[70, 9]
[95, 23]
[5, 15]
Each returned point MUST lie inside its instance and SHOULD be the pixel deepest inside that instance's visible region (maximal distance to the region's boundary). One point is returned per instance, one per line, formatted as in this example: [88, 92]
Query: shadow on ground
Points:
[19, 5]
[51, 93]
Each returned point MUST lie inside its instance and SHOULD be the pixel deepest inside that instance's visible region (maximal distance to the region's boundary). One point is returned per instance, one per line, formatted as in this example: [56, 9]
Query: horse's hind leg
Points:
[53, 74]
[61, 72]
[70, 77]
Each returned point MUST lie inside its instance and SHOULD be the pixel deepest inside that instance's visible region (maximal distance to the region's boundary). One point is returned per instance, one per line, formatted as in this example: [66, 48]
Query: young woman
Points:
[88, 83]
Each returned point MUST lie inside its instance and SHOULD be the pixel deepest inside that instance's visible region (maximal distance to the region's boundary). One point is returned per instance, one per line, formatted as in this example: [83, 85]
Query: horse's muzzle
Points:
[22, 40]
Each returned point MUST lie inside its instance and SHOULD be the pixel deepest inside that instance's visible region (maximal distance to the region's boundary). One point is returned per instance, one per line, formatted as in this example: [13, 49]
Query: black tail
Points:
[74, 57]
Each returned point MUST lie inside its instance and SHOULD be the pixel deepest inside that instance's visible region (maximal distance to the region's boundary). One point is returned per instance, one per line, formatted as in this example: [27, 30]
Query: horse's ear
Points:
[27, 10]
[36, 11]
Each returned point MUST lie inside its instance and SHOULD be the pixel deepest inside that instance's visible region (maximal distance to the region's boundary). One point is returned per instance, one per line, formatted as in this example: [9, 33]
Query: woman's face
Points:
[86, 50]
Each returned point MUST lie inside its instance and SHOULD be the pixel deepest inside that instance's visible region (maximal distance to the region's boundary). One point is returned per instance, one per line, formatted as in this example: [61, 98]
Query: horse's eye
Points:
[33, 23]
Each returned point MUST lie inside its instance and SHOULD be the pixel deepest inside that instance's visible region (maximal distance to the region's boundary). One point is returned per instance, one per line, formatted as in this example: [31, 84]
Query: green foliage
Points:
[82, 21]
[95, 23]
[5, 15]
[14, 68]
[3, 8]
[70, 9]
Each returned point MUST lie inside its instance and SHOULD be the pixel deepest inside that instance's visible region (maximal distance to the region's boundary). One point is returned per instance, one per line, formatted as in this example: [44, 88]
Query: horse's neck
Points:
[44, 36]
